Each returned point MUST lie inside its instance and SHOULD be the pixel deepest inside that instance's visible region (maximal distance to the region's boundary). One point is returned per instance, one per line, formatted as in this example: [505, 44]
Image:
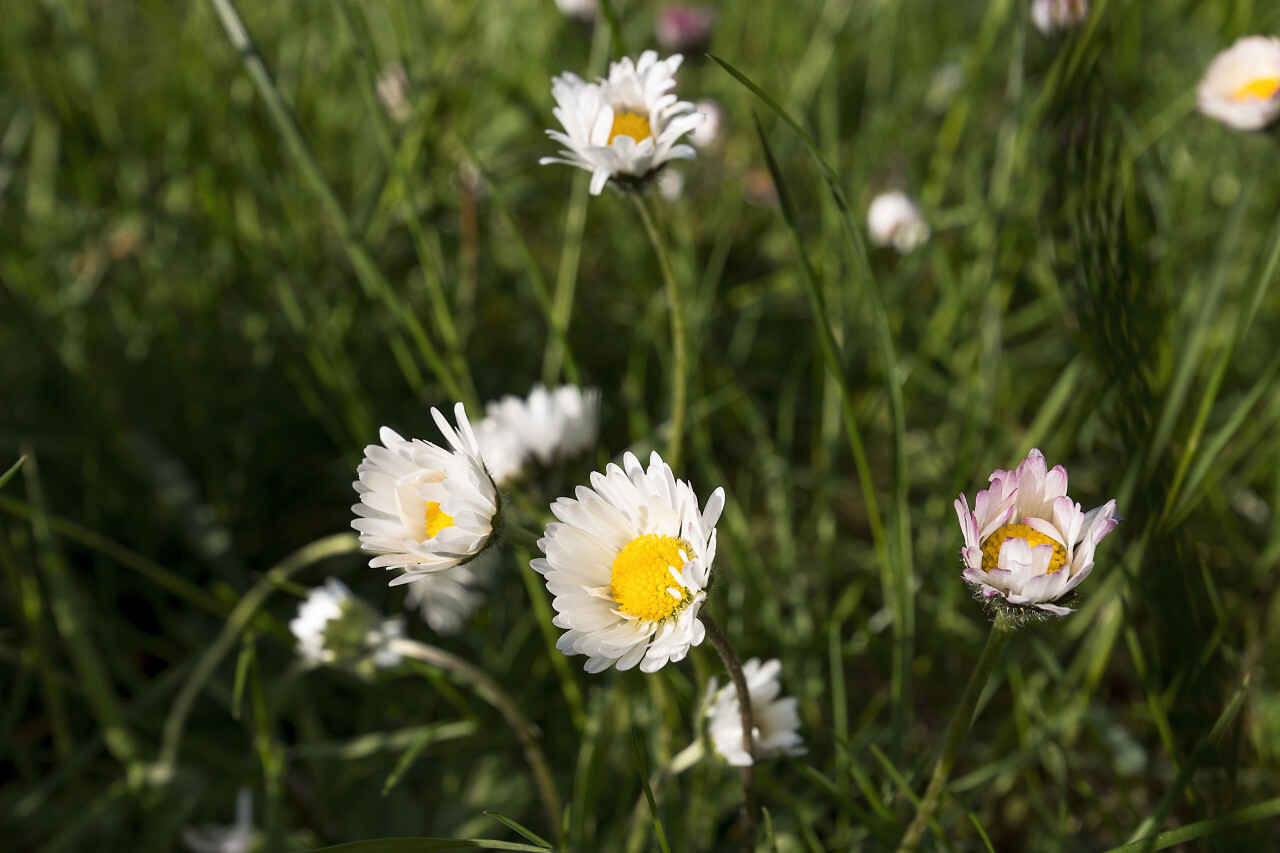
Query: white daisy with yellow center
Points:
[428, 508]
[1241, 87]
[1026, 541]
[777, 721]
[624, 127]
[628, 564]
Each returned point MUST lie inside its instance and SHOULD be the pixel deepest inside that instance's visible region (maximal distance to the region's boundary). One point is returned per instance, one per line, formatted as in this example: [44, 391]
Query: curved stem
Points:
[1001, 631]
[488, 689]
[730, 659]
[679, 348]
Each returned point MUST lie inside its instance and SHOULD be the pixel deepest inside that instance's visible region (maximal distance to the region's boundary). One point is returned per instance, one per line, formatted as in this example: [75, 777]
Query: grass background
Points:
[205, 319]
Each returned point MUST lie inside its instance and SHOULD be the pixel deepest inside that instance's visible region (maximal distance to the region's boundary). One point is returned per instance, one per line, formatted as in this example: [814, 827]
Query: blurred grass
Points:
[203, 319]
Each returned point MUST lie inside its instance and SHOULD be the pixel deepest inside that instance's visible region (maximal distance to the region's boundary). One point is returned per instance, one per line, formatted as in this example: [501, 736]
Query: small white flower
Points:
[894, 220]
[428, 507]
[624, 127]
[1026, 541]
[777, 721]
[670, 184]
[502, 450]
[550, 425]
[336, 628]
[393, 91]
[1241, 87]
[1055, 16]
[240, 837]
[583, 10]
[706, 135]
[628, 564]
[446, 600]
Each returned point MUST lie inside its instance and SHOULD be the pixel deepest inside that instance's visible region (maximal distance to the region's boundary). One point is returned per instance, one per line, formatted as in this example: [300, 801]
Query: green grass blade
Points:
[648, 793]
[13, 469]
[1202, 829]
[517, 828]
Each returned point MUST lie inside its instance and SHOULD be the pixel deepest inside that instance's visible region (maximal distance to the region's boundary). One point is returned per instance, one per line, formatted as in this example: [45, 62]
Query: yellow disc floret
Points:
[630, 124]
[1262, 89]
[436, 520]
[641, 577]
[991, 547]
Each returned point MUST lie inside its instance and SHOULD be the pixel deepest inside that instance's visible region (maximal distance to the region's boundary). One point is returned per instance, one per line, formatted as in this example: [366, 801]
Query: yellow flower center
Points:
[991, 548]
[630, 124]
[641, 577]
[1263, 89]
[436, 520]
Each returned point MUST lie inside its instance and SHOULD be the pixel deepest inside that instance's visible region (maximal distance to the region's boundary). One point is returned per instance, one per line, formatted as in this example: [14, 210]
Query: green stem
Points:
[488, 689]
[730, 659]
[680, 353]
[1001, 631]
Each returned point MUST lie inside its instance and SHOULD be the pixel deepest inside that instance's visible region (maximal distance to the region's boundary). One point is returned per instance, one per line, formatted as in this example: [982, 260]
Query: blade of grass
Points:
[13, 469]
[648, 792]
[517, 828]
[1250, 814]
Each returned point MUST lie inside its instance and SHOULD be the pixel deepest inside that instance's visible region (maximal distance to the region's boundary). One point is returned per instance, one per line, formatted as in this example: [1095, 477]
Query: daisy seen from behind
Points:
[626, 126]
[1241, 87]
[628, 563]
[777, 721]
[427, 507]
[1025, 541]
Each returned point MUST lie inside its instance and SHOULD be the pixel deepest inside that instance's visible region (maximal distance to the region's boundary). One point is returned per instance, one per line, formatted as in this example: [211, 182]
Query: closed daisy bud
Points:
[628, 564]
[1055, 16]
[777, 721]
[429, 508]
[626, 127]
[1241, 87]
[894, 220]
[1025, 541]
[335, 628]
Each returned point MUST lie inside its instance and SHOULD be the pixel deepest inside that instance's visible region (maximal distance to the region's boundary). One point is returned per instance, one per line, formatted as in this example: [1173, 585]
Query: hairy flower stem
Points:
[679, 346]
[730, 659]
[1001, 631]
[487, 689]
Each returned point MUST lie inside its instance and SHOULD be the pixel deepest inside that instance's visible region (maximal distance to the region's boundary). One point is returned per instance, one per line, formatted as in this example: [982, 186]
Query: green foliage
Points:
[223, 266]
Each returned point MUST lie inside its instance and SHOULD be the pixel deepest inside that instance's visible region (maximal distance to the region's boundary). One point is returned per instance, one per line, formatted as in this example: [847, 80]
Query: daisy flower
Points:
[502, 450]
[628, 564]
[446, 600]
[777, 721]
[1055, 16]
[893, 219]
[1241, 87]
[624, 127]
[1025, 540]
[429, 508]
[550, 424]
[334, 627]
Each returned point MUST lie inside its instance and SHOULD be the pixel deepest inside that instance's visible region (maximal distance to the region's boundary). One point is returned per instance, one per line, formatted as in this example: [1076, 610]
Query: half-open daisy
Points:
[625, 126]
[550, 424]
[1241, 87]
[1025, 540]
[628, 564]
[777, 721]
[429, 508]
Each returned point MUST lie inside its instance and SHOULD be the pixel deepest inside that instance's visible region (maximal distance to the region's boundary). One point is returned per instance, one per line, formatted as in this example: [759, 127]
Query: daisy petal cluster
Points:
[1241, 87]
[446, 600]
[777, 721]
[628, 563]
[334, 627]
[1055, 16]
[427, 507]
[1025, 541]
[624, 127]
[893, 219]
[548, 425]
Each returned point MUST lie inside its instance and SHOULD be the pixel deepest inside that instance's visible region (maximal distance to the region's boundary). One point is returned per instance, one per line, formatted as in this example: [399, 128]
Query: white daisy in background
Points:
[1055, 16]
[502, 450]
[1241, 87]
[893, 219]
[583, 10]
[550, 425]
[334, 627]
[446, 600]
[239, 837]
[428, 507]
[628, 564]
[1025, 541]
[706, 135]
[624, 127]
[777, 721]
